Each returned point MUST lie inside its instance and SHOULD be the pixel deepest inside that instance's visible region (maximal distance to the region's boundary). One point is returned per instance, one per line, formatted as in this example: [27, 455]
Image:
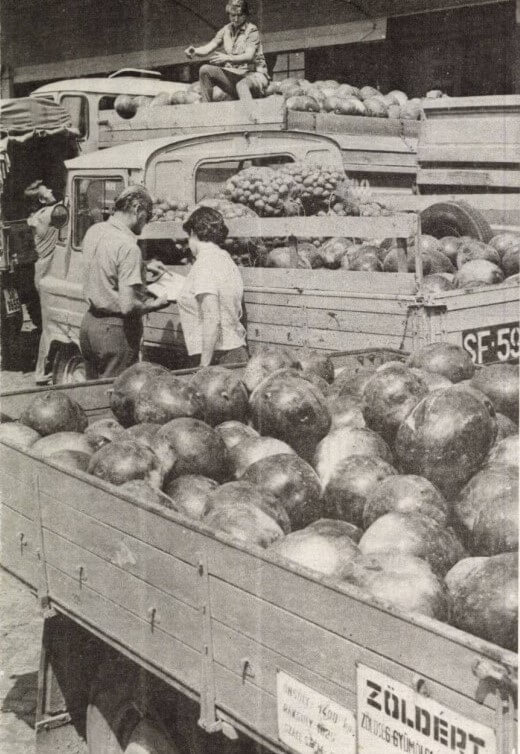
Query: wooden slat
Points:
[251, 705]
[92, 396]
[476, 153]
[499, 103]
[469, 177]
[488, 316]
[395, 226]
[473, 299]
[97, 500]
[231, 645]
[19, 554]
[162, 571]
[418, 648]
[384, 305]
[273, 639]
[18, 493]
[352, 124]
[237, 113]
[391, 283]
[472, 128]
[344, 321]
[372, 159]
[329, 340]
[158, 648]
[119, 586]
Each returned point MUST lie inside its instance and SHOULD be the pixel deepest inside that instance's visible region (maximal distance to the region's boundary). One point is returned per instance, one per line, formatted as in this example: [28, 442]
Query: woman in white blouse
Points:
[210, 303]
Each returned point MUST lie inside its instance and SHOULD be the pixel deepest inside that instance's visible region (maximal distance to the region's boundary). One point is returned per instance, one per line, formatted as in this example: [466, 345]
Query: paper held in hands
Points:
[169, 284]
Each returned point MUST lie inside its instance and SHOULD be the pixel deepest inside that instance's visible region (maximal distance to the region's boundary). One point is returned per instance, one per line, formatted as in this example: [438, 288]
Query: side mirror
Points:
[59, 216]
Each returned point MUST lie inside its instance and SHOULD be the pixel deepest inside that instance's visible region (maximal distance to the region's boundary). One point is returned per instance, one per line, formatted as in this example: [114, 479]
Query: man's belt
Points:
[104, 313]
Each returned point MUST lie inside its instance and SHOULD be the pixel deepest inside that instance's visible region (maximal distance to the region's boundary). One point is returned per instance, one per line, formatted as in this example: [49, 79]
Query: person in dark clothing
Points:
[114, 287]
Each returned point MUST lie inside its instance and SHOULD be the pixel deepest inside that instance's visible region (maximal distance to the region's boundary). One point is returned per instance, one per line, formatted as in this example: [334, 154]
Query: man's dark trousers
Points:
[109, 343]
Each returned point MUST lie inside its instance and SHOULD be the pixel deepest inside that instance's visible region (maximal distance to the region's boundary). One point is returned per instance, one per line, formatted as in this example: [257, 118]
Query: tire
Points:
[121, 718]
[68, 366]
[129, 710]
[455, 219]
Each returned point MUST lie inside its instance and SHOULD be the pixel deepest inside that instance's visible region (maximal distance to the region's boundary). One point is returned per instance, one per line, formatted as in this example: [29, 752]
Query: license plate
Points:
[487, 345]
[12, 302]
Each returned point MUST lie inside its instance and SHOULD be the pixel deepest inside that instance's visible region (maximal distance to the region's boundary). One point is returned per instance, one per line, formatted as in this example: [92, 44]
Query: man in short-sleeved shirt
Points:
[238, 64]
[114, 287]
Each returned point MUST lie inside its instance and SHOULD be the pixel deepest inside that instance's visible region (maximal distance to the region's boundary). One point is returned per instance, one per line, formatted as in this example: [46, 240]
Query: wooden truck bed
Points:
[471, 142]
[374, 147]
[339, 310]
[286, 656]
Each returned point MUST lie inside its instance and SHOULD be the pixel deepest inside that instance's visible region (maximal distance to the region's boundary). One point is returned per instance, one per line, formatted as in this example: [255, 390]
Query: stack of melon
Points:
[399, 480]
[330, 96]
[448, 263]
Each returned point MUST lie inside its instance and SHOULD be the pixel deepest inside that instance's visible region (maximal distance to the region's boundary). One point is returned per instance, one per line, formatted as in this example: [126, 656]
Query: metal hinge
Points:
[208, 715]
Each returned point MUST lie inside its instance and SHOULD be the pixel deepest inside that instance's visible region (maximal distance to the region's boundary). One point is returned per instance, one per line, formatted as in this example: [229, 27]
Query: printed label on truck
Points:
[486, 345]
[309, 722]
[393, 718]
[12, 302]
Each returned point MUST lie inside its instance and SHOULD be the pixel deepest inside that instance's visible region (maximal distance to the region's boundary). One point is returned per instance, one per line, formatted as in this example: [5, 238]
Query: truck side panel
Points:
[133, 573]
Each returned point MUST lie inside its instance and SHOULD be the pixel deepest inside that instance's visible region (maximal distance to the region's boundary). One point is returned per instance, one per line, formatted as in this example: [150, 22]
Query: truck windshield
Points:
[211, 176]
[93, 202]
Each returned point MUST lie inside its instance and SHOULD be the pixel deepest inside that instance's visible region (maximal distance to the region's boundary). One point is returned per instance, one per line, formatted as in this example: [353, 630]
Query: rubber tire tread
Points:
[440, 219]
[64, 351]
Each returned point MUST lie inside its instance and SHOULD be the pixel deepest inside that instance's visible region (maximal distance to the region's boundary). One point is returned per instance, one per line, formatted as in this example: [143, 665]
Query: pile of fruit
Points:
[299, 94]
[399, 479]
[343, 99]
[298, 188]
[448, 263]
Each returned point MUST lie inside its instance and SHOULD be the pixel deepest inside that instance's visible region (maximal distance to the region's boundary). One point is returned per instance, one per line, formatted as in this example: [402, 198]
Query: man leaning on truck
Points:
[114, 287]
[238, 64]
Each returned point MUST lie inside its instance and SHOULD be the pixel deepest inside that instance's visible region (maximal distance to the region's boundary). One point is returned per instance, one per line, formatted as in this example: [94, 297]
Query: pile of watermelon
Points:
[399, 480]
[329, 96]
[448, 263]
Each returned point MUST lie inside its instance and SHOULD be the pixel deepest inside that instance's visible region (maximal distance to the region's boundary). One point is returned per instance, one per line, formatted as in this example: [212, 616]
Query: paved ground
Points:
[20, 636]
[21, 374]
[20, 621]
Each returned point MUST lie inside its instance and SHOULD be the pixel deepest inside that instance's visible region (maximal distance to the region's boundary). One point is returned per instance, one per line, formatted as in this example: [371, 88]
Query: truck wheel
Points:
[132, 712]
[68, 366]
[455, 219]
[121, 718]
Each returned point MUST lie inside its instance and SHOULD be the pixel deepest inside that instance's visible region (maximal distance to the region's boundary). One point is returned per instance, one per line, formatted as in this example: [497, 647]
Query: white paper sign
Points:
[393, 718]
[310, 723]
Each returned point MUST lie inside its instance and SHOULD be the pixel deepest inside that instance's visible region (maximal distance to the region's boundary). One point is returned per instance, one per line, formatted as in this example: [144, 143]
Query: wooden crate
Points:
[195, 606]
[166, 121]
[339, 310]
[378, 146]
[471, 142]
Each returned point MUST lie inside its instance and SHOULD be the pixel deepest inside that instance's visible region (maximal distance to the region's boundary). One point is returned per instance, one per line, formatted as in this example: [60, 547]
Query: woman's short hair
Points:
[207, 224]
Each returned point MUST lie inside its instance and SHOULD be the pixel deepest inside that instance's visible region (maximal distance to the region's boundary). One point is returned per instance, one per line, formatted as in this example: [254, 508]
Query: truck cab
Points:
[189, 169]
[91, 100]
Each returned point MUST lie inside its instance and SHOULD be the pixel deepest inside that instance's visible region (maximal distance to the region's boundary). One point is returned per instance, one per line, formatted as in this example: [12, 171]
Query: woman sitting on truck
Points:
[238, 64]
[210, 303]
[42, 201]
